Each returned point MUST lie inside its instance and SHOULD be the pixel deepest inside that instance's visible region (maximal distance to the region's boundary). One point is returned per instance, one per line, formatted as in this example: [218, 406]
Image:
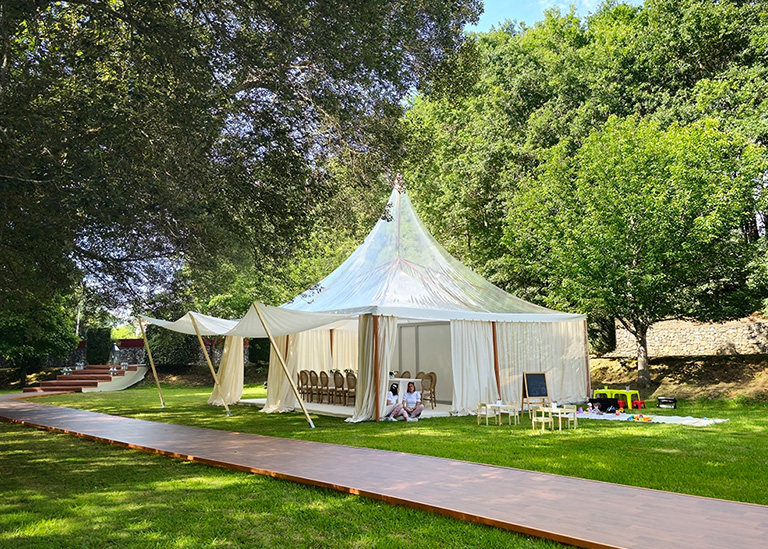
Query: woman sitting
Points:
[412, 402]
[394, 409]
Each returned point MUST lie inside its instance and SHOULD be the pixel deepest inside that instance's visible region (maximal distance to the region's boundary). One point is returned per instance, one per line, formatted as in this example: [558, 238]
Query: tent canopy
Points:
[401, 270]
[280, 322]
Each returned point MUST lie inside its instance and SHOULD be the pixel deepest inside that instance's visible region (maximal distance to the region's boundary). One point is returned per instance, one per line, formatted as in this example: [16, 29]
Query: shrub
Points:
[172, 349]
[258, 351]
[98, 345]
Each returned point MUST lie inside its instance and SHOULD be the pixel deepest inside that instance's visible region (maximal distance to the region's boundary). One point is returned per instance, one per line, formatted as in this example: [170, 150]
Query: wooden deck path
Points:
[544, 505]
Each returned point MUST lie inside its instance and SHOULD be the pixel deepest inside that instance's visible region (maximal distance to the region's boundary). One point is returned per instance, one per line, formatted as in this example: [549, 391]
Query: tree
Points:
[139, 137]
[30, 333]
[643, 223]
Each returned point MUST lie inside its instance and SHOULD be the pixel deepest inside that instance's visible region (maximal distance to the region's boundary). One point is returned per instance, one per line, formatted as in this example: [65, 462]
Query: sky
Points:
[531, 11]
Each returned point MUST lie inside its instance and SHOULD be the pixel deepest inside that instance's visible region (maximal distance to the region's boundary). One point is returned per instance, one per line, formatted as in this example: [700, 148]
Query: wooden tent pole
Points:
[285, 367]
[376, 366]
[151, 362]
[586, 354]
[210, 364]
[496, 359]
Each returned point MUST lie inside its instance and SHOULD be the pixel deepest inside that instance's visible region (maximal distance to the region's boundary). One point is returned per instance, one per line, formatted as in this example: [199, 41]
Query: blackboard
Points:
[535, 385]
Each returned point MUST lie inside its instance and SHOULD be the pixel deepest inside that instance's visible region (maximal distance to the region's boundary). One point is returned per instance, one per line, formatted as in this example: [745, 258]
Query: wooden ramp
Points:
[538, 504]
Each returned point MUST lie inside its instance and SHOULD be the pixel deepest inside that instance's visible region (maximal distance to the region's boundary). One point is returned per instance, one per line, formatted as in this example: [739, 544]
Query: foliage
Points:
[258, 351]
[642, 223]
[139, 138]
[31, 331]
[537, 114]
[98, 345]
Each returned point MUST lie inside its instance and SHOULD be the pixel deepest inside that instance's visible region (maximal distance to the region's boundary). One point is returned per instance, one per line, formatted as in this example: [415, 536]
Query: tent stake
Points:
[285, 368]
[210, 364]
[151, 362]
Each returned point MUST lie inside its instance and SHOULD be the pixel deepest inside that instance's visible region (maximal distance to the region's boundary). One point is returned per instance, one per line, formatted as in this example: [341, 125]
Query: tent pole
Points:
[285, 368]
[496, 359]
[376, 366]
[210, 364]
[586, 354]
[151, 362]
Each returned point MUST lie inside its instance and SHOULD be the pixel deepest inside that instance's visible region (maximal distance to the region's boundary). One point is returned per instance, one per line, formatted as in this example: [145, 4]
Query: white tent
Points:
[365, 313]
[400, 277]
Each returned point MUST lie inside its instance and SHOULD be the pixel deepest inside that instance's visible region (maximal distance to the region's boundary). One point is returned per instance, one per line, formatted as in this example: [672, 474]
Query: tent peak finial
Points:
[399, 183]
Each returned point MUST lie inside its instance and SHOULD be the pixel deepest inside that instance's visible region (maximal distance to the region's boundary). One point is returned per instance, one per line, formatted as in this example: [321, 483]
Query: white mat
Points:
[644, 418]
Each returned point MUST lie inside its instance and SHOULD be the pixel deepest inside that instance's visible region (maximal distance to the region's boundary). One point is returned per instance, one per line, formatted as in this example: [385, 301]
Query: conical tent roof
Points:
[401, 270]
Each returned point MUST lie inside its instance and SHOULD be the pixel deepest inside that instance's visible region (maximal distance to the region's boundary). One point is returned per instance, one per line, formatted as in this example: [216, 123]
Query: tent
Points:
[402, 302]
[407, 292]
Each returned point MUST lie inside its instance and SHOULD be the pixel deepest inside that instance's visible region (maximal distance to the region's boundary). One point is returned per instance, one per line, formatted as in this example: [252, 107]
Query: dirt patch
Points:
[710, 377]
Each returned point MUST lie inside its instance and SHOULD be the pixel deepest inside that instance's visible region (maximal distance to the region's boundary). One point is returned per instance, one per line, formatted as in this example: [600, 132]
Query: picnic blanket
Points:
[644, 418]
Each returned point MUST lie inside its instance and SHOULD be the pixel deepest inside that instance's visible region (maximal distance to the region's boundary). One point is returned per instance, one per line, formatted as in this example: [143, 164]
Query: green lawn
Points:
[162, 501]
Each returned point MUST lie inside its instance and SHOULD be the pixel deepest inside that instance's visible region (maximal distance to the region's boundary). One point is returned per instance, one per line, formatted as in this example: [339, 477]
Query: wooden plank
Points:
[539, 504]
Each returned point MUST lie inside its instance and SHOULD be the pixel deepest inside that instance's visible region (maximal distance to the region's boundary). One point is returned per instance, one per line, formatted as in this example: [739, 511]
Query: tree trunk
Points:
[22, 374]
[643, 372]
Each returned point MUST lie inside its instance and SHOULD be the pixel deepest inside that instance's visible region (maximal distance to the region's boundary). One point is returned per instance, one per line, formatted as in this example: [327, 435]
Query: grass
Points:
[158, 496]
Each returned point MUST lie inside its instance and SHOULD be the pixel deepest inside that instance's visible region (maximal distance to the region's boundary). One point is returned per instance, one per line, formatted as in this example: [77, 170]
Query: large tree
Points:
[138, 136]
[642, 223]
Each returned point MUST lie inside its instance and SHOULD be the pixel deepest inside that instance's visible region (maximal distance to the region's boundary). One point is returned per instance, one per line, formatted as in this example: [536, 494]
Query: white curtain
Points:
[556, 348]
[344, 349]
[280, 395]
[230, 373]
[365, 401]
[312, 351]
[474, 378]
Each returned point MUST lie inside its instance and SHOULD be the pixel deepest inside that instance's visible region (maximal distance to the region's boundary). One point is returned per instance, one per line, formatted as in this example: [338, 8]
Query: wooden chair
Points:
[339, 392]
[324, 390]
[566, 412]
[314, 385]
[351, 386]
[484, 410]
[420, 375]
[406, 373]
[433, 392]
[304, 389]
[427, 390]
[544, 416]
[511, 409]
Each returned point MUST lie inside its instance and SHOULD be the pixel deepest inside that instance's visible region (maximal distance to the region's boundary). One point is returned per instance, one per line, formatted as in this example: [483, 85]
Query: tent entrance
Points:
[426, 347]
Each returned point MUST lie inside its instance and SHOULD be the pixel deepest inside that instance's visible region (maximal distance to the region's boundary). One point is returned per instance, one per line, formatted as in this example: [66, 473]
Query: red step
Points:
[53, 389]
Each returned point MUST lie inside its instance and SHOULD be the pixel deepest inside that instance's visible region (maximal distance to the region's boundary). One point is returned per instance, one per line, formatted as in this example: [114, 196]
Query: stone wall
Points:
[681, 338]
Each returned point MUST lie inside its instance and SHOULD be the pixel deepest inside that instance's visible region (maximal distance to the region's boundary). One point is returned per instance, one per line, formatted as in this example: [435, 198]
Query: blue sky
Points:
[530, 11]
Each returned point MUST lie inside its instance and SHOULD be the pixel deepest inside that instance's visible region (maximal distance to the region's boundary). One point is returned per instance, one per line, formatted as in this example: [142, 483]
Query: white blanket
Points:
[644, 418]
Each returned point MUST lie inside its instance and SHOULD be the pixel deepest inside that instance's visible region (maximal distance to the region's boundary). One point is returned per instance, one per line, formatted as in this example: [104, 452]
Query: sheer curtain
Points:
[556, 348]
[230, 373]
[365, 401]
[280, 395]
[474, 379]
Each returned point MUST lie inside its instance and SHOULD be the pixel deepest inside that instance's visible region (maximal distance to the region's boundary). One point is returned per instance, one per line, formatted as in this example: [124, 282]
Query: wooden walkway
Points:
[538, 504]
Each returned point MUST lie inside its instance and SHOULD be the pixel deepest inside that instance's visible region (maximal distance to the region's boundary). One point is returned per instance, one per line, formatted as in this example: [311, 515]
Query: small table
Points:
[558, 411]
[510, 409]
[613, 393]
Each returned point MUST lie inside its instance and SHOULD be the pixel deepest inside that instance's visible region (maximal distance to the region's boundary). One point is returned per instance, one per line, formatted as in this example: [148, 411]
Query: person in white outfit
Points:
[394, 409]
[412, 402]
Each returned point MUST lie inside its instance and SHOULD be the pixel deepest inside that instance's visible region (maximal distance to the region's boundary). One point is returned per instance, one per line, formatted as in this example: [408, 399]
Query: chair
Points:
[420, 375]
[484, 410]
[304, 389]
[433, 393]
[427, 390]
[339, 392]
[406, 373]
[351, 386]
[511, 409]
[542, 415]
[325, 390]
[567, 412]
[314, 385]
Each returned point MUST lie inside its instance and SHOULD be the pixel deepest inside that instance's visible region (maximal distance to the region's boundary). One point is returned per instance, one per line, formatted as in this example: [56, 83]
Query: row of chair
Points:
[316, 387]
[428, 383]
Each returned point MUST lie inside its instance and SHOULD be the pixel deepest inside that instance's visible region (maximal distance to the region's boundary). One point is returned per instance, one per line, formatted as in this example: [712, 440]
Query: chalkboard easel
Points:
[535, 390]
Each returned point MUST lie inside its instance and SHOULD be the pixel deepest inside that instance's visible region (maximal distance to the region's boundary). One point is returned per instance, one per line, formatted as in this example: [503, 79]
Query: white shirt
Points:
[411, 399]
